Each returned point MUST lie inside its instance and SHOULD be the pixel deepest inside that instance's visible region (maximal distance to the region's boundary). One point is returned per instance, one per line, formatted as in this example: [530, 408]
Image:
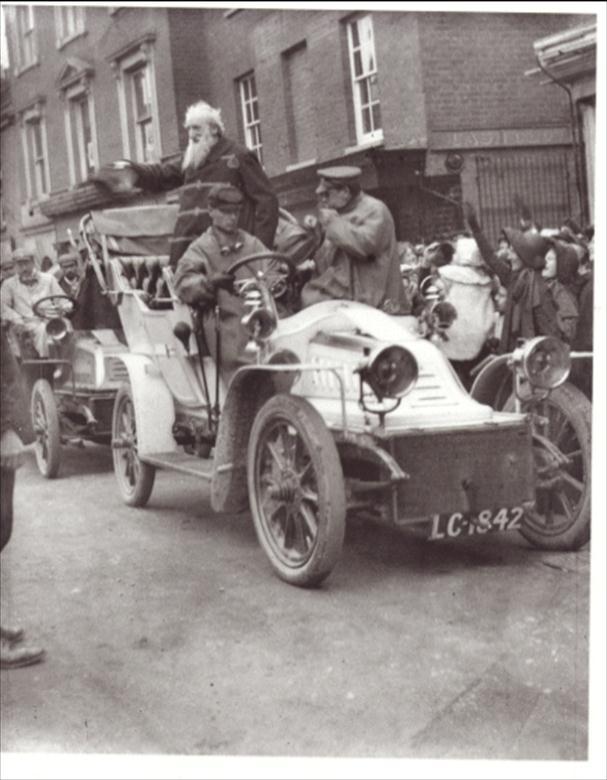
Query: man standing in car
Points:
[210, 158]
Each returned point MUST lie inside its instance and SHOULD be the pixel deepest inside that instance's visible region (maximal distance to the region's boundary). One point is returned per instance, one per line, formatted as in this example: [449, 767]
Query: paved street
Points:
[167, 632]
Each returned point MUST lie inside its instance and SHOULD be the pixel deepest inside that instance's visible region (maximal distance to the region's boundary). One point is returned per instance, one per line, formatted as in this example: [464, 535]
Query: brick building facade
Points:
[433, 106]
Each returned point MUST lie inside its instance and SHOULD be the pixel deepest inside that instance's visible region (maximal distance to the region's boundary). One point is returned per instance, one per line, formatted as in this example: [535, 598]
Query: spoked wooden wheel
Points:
[45, 421]
[562, 451]
[296, 490]
[135, 479]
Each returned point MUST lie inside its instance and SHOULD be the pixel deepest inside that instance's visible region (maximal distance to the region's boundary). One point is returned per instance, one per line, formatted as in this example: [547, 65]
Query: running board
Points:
[182, 462]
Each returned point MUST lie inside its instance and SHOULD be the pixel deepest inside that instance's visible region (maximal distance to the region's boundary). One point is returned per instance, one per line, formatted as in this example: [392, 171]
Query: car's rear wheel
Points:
[296, 490]
[45, 421]
[562, 452]
[135, 479]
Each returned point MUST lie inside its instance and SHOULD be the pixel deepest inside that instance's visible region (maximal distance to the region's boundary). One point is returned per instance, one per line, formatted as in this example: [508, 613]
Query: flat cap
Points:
[22, 254]
[224, 195]
[69, 256]
[340, 174]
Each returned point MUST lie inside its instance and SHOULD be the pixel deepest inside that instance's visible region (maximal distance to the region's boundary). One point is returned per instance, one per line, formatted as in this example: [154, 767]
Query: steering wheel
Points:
[45, 315]
[279, 274]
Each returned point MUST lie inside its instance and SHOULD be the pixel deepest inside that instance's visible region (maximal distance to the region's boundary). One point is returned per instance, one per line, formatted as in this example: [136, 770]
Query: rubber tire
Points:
[578, 409]
[331, 517]
[49, 468]
[139, 493]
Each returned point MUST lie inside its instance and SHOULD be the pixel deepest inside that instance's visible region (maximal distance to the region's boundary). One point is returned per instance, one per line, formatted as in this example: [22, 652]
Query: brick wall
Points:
[473, 69]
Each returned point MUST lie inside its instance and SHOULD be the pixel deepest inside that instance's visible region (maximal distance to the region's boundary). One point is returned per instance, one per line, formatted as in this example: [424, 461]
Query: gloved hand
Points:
[222, 281]
[117, 177]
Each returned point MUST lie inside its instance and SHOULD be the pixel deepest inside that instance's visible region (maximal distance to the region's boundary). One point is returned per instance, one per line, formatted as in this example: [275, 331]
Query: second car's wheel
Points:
[135, 479]
[562, 452]
[45, 421]
[296, 490]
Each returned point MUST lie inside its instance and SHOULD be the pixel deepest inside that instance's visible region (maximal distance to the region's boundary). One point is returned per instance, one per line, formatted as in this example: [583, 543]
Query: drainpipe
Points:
[574, 135]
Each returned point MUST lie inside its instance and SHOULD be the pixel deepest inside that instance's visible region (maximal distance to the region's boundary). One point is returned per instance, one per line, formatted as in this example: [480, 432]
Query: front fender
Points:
[493, 383]
[153, 403]
[249, 389]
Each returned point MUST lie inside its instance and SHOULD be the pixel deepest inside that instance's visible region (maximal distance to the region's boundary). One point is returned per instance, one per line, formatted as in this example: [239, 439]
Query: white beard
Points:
[197, 151]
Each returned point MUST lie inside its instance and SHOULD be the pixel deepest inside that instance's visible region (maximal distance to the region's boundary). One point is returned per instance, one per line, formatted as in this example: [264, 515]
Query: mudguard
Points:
[154, 408]
[249, 389]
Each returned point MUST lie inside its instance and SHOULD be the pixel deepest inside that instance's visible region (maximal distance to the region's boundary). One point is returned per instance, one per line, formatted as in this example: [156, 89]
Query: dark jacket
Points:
[202, 259]
[227, 162]
[530, 310]
[13, 394]
[584, 336]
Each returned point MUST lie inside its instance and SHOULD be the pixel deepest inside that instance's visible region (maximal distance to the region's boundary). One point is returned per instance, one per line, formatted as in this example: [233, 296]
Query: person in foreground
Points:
[13, 652]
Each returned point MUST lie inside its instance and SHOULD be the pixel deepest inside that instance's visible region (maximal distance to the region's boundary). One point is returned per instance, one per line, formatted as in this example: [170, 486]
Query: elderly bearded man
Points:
[210, 158]
[358, 260]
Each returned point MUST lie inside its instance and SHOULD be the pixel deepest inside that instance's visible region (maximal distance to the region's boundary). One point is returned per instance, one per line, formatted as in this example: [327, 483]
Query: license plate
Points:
[488, 521]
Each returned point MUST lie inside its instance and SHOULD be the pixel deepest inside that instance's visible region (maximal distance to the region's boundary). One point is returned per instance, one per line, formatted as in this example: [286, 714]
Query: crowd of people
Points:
[537, 281]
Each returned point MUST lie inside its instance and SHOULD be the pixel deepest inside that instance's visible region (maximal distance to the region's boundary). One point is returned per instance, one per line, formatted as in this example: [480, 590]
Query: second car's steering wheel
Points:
[275, 269]
[45, 315]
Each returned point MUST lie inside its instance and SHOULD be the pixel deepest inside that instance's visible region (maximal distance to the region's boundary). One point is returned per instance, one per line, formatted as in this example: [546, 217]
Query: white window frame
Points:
[124, 68]
[251, 120]
[29, 118]
[366, 79]
[29, 35]
[76, 14]
[77, 162]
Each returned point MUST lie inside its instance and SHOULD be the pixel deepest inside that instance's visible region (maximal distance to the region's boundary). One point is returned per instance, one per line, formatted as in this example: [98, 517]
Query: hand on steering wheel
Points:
[57, 311]
[276, 270]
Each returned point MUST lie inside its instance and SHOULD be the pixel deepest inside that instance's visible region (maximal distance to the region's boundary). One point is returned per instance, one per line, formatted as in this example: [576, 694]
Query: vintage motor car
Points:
[72, 392]
[342, 408]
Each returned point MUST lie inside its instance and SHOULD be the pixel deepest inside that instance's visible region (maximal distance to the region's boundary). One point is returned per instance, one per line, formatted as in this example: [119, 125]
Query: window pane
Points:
[43, 188]
[37, 138]
[255, 109]
[358, 65]
[245, 89]
[376, 117]
[363, 91]
[141, 97]
[366, 120]
[373, 88]
[354, 30]
[253, 87]
[148, 140]
[248, 114]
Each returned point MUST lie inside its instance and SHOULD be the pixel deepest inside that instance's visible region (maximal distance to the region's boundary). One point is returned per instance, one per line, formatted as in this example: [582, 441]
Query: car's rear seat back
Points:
[146, 274]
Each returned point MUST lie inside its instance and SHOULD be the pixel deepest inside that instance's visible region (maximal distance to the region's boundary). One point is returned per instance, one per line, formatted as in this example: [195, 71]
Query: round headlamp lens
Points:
[391, 372]
[546, 362]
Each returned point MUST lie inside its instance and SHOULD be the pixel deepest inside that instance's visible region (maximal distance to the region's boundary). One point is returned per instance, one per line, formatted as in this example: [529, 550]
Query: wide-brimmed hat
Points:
[530, 247]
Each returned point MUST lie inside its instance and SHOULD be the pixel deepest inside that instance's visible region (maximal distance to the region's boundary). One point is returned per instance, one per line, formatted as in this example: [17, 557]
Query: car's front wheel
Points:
[135, 479]
[45, 421]
[296, 490]
[561, 426]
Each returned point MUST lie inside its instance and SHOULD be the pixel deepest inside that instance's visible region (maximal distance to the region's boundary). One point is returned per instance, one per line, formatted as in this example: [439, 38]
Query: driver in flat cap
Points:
[20, 293]
[358, 259]
[201, 279]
